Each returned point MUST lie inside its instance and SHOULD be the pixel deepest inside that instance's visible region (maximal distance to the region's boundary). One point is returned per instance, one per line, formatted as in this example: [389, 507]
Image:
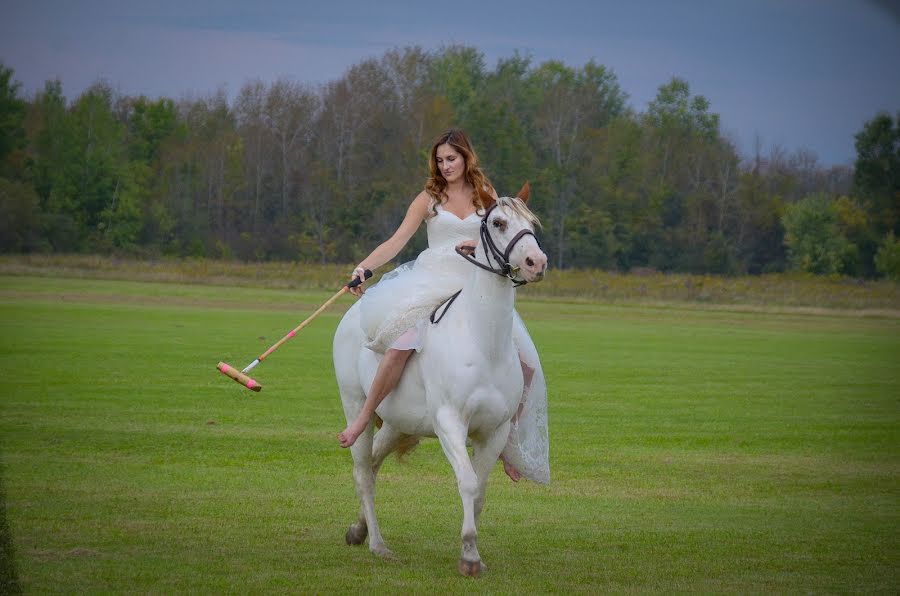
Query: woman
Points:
[394, 311]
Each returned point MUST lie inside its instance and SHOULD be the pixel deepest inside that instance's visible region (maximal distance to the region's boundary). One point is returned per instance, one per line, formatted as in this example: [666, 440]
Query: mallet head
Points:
[230, 371]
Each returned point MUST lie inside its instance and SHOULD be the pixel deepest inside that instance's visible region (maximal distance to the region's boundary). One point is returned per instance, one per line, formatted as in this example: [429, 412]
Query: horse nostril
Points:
[529, 262]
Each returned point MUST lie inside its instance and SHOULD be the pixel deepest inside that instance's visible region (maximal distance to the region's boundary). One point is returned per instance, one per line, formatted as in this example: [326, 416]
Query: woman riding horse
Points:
[392, 313]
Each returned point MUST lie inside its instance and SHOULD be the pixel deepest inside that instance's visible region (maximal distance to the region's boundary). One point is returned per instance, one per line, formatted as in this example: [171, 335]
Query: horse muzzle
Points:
[533, 267]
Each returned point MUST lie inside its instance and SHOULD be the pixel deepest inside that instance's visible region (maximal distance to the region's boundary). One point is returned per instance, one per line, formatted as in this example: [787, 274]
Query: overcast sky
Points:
[796, 73]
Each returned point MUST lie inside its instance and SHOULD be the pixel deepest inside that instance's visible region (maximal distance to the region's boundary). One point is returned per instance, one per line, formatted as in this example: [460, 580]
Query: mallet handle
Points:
[328, 303]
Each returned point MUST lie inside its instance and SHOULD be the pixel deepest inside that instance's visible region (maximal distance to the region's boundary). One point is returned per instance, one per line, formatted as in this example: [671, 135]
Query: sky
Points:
[793, 74]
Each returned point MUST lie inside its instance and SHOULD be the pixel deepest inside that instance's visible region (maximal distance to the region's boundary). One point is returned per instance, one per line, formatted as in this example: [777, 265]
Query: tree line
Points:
[290, 171]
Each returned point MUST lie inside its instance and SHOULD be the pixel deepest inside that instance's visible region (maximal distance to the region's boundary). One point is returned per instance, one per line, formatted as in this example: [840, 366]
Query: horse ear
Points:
[487, 199]
[525, 192]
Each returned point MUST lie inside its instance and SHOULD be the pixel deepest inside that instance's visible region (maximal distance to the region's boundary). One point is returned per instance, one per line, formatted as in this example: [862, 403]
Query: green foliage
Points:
[99, 153]
[51, 146]
[12, 116]
[120, 221]
[20, 217]
[457, 73]
[674, 111]
[760, 234]
[877, 171]
[814, 239]
[150, 124]
[887, 260]
[718, 256]
[287, 171]
[592, 239]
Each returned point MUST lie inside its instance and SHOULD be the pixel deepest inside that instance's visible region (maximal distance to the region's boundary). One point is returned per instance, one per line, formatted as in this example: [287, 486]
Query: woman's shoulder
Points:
[423, 197]
[424, 204]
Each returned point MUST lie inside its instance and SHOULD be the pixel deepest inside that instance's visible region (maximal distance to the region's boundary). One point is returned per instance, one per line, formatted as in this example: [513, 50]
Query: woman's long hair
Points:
[436, 186]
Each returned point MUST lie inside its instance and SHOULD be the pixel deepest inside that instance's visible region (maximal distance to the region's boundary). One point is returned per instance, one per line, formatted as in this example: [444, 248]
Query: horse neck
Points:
[488, 301]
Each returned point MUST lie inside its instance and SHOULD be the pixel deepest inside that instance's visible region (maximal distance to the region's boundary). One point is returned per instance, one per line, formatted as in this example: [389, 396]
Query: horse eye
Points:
[497, 223]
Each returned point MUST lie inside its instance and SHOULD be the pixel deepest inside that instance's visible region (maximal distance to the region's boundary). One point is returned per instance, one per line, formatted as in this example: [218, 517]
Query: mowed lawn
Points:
[692, 450]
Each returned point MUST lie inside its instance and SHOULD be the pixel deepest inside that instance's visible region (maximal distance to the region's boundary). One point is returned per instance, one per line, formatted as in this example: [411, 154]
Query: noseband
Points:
[501, 258]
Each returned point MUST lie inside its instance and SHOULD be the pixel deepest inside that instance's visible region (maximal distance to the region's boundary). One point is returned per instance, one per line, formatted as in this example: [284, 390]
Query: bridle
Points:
[503, 268]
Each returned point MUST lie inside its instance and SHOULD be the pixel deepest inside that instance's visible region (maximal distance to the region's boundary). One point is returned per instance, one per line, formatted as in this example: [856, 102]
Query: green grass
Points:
[786, 291]
[692, 450]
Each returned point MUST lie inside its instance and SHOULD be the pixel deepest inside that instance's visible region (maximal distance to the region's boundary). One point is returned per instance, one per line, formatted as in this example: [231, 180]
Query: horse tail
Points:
[406, 445]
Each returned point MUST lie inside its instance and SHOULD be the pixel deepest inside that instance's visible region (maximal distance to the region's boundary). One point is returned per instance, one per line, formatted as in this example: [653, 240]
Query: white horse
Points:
[466, 383]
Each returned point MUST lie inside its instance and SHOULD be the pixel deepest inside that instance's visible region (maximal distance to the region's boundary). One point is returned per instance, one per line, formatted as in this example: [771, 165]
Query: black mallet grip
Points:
[357, 281]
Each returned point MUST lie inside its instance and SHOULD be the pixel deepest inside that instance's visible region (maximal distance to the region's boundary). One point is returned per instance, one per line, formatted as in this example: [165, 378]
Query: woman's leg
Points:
[528, 377]
[386, 378]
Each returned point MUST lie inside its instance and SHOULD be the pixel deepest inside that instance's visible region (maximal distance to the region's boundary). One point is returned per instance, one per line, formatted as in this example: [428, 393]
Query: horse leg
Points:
[365, 487]
[484, 458]
[452, 434]
[364, 480]
[364, 477]
[385, 442]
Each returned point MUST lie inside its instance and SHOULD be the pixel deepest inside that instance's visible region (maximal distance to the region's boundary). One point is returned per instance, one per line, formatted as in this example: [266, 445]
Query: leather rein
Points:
[503, 268]
[501, 258]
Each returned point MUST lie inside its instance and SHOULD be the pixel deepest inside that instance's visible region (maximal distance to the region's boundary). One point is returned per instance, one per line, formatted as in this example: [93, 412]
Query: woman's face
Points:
[450, 162]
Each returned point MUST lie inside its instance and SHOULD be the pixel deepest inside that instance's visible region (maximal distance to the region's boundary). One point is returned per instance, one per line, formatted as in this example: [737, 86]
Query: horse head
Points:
[507, 237]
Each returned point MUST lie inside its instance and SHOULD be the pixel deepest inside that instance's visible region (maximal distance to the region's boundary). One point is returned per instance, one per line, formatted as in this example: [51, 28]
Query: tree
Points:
[249, 110]
[457, 73]
[12, 116]
[569, 105]
[291, 171]
[758, 233]
[877, 172]
[77, 155]
[689, 184]
[592, 242]
[20, 217]
[887, 259]
[289, 113]
[814, 238]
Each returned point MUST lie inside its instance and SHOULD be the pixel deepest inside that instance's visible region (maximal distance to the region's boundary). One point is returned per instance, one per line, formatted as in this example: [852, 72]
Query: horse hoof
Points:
[470, 568]
[384, 552]
[356, 535]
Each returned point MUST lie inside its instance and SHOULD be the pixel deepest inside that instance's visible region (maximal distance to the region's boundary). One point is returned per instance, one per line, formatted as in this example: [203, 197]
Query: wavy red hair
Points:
[436, 185]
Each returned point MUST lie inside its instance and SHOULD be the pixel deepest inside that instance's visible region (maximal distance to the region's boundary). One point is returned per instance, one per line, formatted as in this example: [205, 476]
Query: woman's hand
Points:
[360, 274]
[467, 246]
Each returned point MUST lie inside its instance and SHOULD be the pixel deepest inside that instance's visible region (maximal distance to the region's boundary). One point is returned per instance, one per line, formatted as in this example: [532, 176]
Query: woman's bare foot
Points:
[510, 470]
[349, 435]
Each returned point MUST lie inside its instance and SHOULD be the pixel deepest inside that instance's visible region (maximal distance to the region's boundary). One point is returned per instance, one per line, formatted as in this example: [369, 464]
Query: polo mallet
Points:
[241, 376]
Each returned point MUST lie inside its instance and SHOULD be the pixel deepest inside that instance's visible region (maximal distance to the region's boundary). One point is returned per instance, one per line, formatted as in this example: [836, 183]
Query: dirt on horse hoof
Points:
[470, 568]
[356, 535]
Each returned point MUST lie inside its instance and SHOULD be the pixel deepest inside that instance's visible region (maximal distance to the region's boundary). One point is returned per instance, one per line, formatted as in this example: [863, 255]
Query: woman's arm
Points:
[389, 249]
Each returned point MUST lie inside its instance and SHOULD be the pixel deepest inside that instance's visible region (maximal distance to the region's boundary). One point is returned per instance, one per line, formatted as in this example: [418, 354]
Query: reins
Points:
[448, 302]
[504, 269]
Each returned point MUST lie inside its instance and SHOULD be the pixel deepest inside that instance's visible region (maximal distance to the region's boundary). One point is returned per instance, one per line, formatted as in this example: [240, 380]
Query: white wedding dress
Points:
[394, 313]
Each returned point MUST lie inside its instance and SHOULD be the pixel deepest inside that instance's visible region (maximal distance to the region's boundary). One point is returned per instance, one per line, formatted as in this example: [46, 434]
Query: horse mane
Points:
[519, 207]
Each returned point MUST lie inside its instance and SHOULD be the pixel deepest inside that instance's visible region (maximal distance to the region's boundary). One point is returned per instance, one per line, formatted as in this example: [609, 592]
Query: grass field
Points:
[692, 450]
